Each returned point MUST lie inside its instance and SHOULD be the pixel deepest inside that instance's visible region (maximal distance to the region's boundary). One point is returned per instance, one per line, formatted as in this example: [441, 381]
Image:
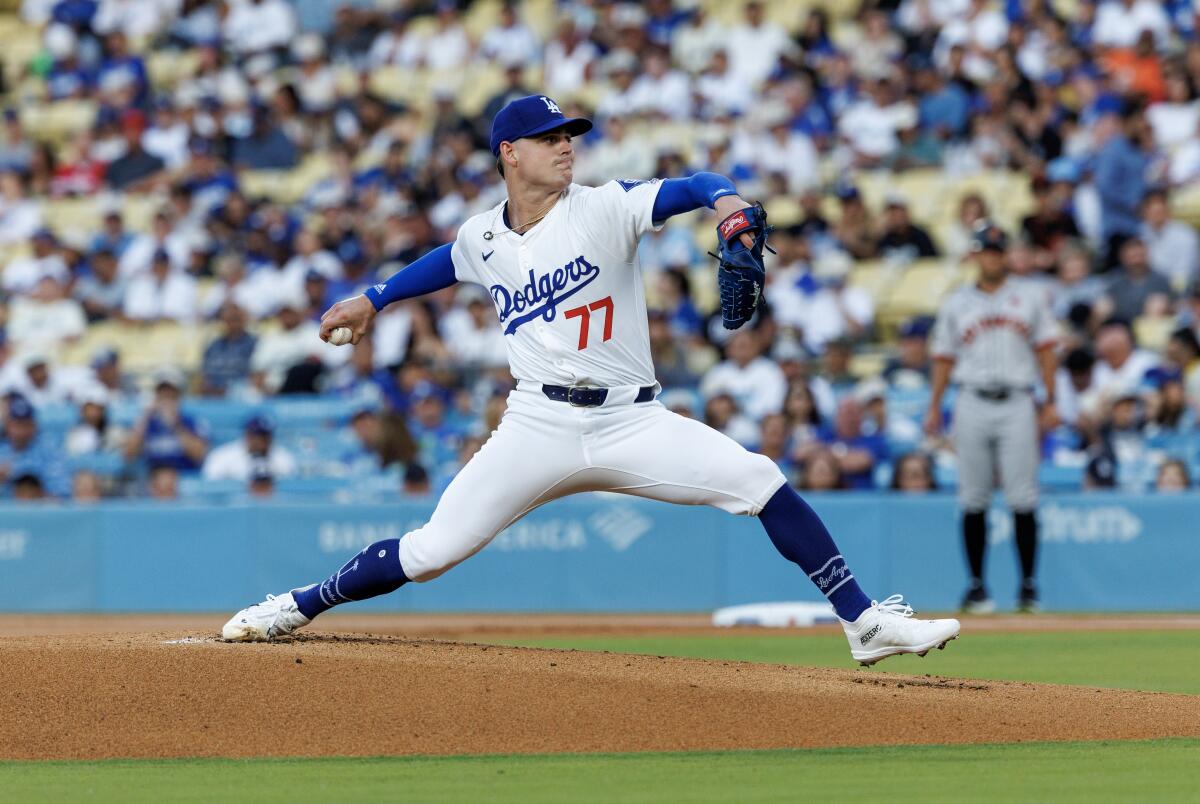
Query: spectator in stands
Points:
[1182, 353]
[163, 483]
[22, 275]
[821, 471]
[258, 26]
[292, 358]
[1074, 385]
[901, 239]
[721, 413]
[255, 451]
[510, 41]
[1133, 289]
[383, 439]
[361, 379]
[165, 435]
[1174, 246]
[617, 155]
[138, 257]
[1119, 176]
[262, 483]
[137, 169]
[719, 91]
[910, 366]
[570, 58]
[105, 364]
[854, 230]
[33, 378]
[27, 487]
[415, 481]
[753, 381]
[86, 487]
[774, 441]
[27, 452]
[16, 147]
[756, 45]
[167, 136]
[803, 415]
[659, 91]
[1077, 296]
[1173, 477]
[1049, 226]
[835, 367]
[162, 295]
[101, 292]
[267, 147]
[1167, 410]
[95, 433]
[1121, 365]
[912, 473]
[45, 318]
[856, 453]
[226, 361]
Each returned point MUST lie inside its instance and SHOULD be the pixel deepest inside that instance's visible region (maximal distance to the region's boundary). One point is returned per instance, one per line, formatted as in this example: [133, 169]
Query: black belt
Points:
[584, 397]
[998, 394]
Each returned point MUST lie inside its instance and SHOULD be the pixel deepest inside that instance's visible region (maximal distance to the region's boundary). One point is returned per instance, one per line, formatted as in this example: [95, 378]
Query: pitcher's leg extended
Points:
[664, 456]
[525, 462]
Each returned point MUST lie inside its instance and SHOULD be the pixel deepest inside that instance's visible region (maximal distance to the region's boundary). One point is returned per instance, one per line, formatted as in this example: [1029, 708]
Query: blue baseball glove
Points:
[741, 274]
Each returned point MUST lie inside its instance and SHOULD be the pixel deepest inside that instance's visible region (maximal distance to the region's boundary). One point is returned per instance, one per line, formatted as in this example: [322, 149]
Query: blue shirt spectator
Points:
[857, 453]
[1120, 176]
[25, 451]
[227, 358]
[165, 436]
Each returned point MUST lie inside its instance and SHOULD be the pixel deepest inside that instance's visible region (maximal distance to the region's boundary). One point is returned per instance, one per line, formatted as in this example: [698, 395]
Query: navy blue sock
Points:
[375, 571]
[800, 535]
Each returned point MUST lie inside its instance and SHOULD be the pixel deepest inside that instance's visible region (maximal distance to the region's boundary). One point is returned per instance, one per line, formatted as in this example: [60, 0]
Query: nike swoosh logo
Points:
[490, 253]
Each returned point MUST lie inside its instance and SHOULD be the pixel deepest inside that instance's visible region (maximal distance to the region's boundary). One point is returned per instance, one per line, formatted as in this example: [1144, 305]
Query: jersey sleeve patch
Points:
[629, 184]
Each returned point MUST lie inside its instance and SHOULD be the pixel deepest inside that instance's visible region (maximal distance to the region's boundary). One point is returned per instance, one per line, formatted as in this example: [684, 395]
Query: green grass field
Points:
[1058, 772]
[1161, 661]
[1163, 770]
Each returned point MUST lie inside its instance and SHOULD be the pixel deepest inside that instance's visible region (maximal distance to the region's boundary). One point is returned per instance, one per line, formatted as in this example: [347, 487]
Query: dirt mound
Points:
[170, 695]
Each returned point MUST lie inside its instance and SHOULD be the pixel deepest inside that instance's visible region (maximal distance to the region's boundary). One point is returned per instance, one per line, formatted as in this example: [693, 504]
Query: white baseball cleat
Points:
[262, 622]
[888, 628]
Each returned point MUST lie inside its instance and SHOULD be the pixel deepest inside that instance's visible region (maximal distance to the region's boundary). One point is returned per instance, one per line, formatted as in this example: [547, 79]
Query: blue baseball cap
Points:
[530, 116]
[19, 408]
[260, 425]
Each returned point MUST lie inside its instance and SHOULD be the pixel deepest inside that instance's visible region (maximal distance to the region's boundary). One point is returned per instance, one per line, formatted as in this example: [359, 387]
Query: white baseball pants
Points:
[544, 450]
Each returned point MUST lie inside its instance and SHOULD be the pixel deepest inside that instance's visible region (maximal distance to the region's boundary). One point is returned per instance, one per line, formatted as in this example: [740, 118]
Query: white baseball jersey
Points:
[992, 337]
[569, 293]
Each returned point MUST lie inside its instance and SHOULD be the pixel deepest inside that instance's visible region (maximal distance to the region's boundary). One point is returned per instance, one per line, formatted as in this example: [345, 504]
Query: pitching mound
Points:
[173, 695]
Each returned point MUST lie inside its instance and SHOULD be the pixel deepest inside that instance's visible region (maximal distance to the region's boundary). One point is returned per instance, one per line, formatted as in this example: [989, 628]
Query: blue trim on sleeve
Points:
[433, 271]
[677, 196]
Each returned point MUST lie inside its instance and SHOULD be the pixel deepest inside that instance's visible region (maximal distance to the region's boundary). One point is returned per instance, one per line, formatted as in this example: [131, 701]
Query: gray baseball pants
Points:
[996, 437]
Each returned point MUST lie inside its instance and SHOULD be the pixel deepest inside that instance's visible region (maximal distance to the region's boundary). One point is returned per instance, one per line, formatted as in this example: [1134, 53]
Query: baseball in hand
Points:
[340, 336]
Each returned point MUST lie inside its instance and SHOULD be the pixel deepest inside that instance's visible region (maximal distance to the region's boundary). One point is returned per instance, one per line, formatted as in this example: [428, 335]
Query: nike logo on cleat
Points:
[490, 253]
[865, 638]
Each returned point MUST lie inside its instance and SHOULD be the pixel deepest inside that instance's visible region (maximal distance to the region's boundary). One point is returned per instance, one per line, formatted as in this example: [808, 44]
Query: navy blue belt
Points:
[584, 397]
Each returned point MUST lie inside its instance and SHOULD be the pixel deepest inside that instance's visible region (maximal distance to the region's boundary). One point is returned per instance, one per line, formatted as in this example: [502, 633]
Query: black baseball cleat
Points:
[1027, 598]
[977, 600]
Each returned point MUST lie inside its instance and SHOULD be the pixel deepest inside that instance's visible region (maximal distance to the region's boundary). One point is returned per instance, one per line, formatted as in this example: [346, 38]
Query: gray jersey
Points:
[992, 337]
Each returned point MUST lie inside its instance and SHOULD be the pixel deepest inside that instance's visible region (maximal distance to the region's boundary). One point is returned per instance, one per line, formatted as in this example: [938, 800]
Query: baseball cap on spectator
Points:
[870, 389]
[92, 394]
[259, 425]
[988, 237]
[35, 358]
[365, 407]
[104, 356]
[1159, 376]
[847, 192]
[424, 390]
[314, 275]
[45, 235]
[530, 116]
[1064, 170]
[20, 409]
[171, 377]
[917, 327]
[161, 255]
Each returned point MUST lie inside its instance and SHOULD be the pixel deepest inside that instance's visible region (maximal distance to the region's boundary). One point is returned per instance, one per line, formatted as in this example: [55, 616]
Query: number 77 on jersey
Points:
[584, 313]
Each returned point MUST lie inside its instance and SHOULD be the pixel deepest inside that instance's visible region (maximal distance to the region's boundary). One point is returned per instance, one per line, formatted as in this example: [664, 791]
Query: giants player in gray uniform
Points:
[994, 339]
[560, 263]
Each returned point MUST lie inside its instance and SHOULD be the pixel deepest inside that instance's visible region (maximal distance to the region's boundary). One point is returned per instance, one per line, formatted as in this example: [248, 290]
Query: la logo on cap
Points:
[551, 105]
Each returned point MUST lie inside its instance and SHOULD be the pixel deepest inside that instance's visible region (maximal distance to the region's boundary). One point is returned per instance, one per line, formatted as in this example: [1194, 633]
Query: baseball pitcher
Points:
[993, 339]
[560, 263]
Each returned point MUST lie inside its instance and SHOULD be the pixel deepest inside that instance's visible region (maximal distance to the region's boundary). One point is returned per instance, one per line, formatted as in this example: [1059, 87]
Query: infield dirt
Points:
[82, 694]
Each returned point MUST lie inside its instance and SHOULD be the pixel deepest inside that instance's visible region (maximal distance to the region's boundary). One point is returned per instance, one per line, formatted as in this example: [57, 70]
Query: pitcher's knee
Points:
[764, 478]
[428, 552]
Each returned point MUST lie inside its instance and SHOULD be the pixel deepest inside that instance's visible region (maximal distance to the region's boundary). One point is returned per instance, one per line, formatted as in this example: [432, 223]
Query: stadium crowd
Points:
[1093, 105]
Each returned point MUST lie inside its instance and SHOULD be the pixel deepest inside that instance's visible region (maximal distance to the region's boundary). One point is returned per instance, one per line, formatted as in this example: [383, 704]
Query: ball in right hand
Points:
[340, 336]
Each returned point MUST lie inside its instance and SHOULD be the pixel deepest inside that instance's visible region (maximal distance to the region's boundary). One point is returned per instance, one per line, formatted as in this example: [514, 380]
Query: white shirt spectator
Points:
[60, 386]
[1174, 251]
[516, 44]
[37, 12]
[754, 51]
[255, 27]
[233, 461]
[788, 153]
[134, 18]
[140, 254]
[404, 50]
[759, 388]
[693, 45]
[43, 325]
[1174, 123]
[447, 48]
[669, 95]
[1118, 25]
[148, 299]
[19, 218]
[393, 329]
[1185, 164]
[257, 294]
[869, 128]
[278, 351]
[986, 31]
[1107, 381]
[616, 158]
[722, 93]
[566, 70]
[168, 144]
[23, 274]
[821, 315]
